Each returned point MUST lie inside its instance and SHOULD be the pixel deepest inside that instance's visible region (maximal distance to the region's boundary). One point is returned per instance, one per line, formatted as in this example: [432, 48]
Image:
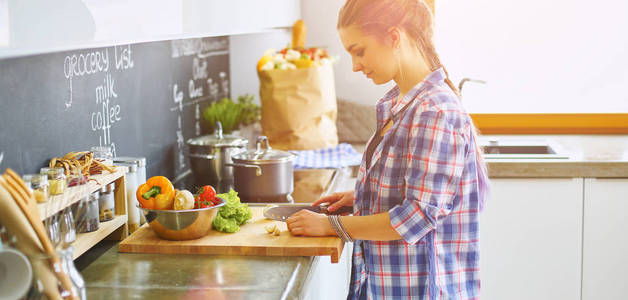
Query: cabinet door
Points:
[327, 280]
[530, 240]
[605, 245]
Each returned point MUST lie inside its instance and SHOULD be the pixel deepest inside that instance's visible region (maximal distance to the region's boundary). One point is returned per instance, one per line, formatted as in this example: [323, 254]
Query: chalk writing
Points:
[213, 88]
[86, 63]
[224, 82]
[77, 65]
[201, 47]
[177, 96]
[195, 92]
[180, 144]
[123, 57]
[197, 115]
[199, 68]
[107, 113]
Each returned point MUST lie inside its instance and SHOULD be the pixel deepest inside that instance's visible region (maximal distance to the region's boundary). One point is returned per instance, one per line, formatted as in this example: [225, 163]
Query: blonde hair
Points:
[413, 16]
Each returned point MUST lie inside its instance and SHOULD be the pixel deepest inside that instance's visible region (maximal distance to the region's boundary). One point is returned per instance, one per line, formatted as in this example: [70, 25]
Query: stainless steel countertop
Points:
[158, 276]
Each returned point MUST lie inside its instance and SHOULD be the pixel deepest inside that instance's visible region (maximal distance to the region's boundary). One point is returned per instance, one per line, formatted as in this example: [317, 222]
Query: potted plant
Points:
[232, 115]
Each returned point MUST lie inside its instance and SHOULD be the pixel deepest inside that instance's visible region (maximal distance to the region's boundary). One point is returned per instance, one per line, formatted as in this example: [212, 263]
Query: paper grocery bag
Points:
[310, 184]
[299, 107]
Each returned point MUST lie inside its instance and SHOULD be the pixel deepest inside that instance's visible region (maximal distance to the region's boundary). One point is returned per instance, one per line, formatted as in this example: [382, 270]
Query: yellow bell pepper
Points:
[157, 193]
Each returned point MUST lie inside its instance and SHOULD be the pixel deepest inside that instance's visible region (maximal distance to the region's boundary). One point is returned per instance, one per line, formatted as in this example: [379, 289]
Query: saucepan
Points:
[263, 174]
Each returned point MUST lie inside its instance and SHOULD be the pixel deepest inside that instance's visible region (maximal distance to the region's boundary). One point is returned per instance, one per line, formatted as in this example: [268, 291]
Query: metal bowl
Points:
[179, 225]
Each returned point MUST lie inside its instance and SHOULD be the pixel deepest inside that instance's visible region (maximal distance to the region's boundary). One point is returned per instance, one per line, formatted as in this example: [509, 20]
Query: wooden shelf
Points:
[85, 241]
[72, 195]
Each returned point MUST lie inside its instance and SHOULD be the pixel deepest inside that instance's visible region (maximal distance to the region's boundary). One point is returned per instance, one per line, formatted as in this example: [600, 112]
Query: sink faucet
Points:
[462, 82]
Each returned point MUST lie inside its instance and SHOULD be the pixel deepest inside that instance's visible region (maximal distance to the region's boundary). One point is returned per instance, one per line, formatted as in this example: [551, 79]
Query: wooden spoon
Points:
[22, 196]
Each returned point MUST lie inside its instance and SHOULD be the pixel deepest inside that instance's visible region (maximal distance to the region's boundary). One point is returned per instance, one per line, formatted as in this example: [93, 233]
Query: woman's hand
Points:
[337, 200]
[308, 223]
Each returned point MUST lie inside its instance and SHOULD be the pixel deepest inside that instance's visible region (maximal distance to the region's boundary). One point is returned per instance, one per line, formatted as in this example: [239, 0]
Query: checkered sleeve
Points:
[435, 155]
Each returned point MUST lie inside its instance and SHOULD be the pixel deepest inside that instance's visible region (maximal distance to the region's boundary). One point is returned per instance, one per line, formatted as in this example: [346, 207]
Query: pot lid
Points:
[211, 140]
[218, 139]
[264, 154]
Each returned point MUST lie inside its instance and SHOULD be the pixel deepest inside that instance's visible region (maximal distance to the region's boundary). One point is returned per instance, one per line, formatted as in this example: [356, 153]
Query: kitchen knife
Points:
[283, 212]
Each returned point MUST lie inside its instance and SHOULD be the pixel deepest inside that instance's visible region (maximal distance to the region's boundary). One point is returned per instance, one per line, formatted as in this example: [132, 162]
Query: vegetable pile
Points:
[231, 215]
[288, 59]
[159, 193]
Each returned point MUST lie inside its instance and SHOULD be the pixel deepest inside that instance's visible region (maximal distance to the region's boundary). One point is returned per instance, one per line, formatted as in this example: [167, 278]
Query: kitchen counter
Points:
[597, 156]
[109, 274]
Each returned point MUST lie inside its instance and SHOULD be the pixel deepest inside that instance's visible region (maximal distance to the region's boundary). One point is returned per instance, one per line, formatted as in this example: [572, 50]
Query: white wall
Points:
[537, 55]
[320, 17]
[244, 52]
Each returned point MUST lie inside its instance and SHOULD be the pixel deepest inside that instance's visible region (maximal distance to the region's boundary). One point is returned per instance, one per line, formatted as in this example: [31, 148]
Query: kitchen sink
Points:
[521, 149]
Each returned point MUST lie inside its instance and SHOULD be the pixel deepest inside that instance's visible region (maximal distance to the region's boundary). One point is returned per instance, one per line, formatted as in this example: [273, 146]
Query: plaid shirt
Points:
[424, 174]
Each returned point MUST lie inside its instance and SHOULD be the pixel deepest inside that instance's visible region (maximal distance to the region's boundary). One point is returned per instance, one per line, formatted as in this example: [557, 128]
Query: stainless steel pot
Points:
[209, 156]
[263, 174]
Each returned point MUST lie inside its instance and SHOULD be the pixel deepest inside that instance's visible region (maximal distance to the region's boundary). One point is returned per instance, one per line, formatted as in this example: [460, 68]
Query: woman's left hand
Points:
[308, 223]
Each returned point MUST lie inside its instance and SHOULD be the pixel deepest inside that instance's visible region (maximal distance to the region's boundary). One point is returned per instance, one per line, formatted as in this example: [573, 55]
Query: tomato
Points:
[205, 197]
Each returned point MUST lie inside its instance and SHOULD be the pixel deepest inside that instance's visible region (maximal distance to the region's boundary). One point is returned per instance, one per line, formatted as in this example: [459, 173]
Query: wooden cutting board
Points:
[252, 239]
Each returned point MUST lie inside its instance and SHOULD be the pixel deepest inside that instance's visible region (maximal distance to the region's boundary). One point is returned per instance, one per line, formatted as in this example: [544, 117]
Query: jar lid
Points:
[264, 154]
[52, 173]
[132, 167]
[140, 161]
[37, 179]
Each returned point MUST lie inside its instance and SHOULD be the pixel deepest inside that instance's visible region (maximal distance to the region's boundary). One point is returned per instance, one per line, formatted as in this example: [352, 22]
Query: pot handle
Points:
[258, 171]
[203, 156]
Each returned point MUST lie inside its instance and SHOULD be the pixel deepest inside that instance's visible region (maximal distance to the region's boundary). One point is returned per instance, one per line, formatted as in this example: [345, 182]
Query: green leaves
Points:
[231, 215]
[232, 114]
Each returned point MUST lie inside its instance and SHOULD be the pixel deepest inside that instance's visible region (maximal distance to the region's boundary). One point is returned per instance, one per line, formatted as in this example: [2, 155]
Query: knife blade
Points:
[283, 212]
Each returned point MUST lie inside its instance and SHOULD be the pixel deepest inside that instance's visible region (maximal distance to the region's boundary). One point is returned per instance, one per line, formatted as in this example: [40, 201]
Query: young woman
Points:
[422, 179]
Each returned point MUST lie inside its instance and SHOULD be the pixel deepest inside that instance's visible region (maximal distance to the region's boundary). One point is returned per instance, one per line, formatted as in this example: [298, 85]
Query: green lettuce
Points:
[231, 215]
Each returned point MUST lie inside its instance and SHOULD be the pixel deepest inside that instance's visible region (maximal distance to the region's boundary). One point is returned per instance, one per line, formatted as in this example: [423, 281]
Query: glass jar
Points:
[76, 178]
[39, 185]
[131, 187]
[140, 174]
[103, 154]
[56, 179]
[88, 218]
[68, 267]
[106, 203]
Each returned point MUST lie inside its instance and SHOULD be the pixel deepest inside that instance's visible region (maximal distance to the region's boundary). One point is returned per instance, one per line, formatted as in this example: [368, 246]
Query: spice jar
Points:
[106, 203]
[140, 174]
[131, 187]
[76, 178]
[88, 219]
[56, 179]
[103, 154]
[39, 186]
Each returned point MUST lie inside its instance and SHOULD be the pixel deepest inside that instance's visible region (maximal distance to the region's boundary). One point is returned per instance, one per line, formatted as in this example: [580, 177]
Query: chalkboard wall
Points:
[142, 99]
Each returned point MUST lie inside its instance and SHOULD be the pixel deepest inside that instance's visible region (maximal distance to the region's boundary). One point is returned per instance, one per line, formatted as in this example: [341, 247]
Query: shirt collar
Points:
[385, 107]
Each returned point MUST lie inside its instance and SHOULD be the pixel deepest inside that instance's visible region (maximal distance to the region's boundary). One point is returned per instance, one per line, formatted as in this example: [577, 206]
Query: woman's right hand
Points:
[337, 200]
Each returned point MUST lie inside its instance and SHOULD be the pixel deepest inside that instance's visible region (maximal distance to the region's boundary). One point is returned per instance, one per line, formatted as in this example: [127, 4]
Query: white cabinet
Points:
[41, 26]
[605, 241]
[531, 238]
[327, 280]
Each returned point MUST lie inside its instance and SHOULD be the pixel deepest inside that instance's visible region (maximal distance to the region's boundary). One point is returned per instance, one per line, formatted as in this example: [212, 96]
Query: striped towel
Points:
[342, 155]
